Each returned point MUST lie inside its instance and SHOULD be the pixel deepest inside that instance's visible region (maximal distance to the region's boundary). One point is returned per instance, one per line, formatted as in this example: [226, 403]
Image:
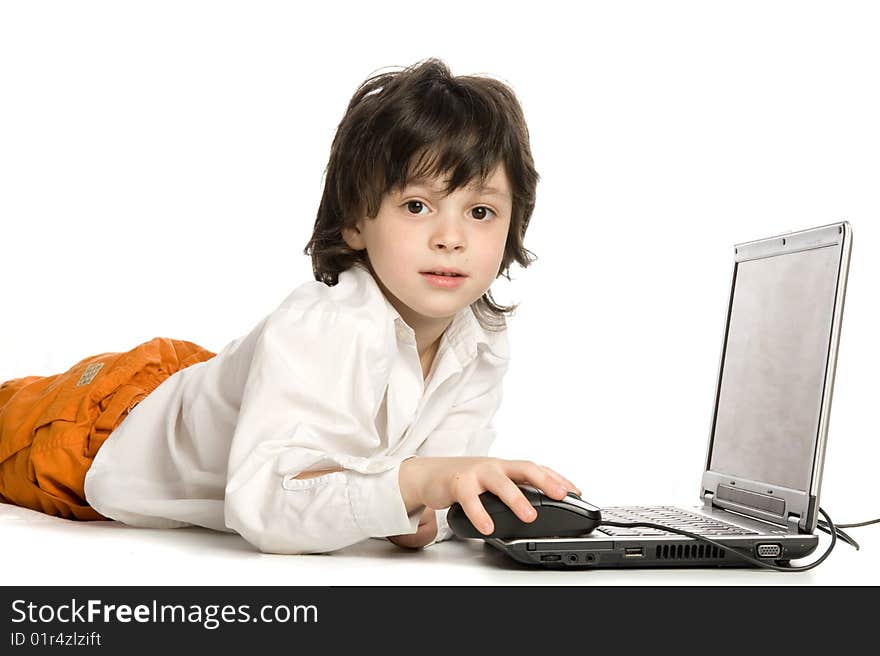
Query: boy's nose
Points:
[448, 235]
[449, 245]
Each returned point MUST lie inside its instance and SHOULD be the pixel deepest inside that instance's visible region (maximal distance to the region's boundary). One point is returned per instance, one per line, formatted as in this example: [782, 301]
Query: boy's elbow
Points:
[267, 545]
[282, 533]
[269, 542]
[257, 534]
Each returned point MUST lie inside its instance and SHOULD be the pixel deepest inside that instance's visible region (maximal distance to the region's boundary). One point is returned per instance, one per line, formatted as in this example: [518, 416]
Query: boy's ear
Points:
[354, 238]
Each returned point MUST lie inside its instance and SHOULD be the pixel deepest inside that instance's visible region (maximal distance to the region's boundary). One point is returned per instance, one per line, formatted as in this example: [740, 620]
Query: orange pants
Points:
[51, 427]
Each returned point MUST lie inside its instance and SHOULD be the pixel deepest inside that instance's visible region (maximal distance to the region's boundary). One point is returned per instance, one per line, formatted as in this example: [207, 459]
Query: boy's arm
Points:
[466, 430]
[299, 477]
[431, 481]
[425, 533]
[452, 464]
[440, 482]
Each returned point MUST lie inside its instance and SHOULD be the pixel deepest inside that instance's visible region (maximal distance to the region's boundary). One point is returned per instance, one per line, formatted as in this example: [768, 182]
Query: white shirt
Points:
[332, 378]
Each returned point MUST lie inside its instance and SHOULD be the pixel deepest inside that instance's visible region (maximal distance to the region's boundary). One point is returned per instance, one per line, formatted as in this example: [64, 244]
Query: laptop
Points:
[759, 490]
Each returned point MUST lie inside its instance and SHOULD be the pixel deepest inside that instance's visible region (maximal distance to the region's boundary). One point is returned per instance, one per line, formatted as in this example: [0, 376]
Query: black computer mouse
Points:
[566, 517]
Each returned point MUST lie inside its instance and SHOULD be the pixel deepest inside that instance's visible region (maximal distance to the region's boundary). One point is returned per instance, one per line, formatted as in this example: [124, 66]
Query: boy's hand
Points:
[439, 482]
[426, 532]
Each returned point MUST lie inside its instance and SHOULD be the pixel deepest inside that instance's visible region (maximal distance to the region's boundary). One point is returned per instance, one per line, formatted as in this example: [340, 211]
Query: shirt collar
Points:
[464, 335]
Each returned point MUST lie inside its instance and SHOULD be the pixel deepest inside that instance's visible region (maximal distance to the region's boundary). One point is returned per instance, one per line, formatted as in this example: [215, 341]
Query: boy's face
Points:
[418, 230]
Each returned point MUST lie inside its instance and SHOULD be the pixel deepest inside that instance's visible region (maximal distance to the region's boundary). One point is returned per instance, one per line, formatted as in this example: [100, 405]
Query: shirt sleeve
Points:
[466, 430]
[310, 400]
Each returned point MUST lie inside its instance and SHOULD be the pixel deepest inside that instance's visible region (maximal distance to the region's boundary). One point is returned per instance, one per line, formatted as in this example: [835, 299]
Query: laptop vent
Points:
[688, 552]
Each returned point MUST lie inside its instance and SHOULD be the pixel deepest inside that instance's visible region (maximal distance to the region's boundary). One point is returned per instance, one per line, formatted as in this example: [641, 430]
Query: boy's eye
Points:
[415, 207]
[482, 209]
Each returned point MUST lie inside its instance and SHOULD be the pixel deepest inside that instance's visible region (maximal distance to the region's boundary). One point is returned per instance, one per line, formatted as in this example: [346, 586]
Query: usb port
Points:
[633, 552]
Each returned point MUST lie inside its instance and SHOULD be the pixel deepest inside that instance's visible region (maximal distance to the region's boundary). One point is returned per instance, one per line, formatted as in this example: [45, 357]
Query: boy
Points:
[359, 407]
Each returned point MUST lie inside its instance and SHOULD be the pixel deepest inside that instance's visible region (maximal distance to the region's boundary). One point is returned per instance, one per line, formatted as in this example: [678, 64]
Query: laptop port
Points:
[633, 552]
[551, 557]
[769, 550]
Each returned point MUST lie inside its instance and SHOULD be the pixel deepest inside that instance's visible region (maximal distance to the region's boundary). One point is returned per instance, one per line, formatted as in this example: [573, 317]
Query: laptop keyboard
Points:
[668, 516]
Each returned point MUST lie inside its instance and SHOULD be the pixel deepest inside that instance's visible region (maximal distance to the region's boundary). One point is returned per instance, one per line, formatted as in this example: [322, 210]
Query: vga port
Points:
[769, 550]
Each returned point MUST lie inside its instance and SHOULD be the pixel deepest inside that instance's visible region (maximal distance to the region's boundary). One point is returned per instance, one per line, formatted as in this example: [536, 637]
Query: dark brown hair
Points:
[423, 122]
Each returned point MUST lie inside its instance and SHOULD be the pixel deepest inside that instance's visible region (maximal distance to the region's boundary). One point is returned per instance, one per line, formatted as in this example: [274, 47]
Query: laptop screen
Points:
[773, 369]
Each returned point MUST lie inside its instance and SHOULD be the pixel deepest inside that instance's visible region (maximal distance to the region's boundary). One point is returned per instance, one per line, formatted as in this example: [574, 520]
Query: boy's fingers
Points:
[541, 477]
[428, 517]
[427, 531]
[477, 513]
[508, 491]
[571, 486]
[422, 536]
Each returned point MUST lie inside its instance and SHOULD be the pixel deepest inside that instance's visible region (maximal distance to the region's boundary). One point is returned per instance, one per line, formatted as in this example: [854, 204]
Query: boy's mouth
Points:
[444, 279]
[452, 273]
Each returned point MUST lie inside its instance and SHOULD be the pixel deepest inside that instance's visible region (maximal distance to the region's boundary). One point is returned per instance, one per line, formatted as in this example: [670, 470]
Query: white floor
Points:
[52, 551]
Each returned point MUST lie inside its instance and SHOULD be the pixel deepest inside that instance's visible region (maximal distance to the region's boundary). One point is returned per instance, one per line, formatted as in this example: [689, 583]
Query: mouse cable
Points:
[842, 535]
[822, 526]
[741, 554]
[870, 521]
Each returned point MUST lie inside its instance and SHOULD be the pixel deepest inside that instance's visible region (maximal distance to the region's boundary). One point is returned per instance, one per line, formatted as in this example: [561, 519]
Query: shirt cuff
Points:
[378, 505]
[443, 530]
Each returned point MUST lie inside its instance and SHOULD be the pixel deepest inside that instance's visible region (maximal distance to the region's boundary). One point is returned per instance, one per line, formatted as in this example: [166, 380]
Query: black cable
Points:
[744, 556]
[870, 521]
[841, 534]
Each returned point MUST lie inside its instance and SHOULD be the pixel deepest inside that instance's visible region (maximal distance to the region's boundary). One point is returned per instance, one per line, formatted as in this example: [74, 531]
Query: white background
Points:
[161, 165]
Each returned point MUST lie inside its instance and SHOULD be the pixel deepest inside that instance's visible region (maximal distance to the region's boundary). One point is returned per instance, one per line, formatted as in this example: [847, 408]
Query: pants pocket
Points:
[112, 410]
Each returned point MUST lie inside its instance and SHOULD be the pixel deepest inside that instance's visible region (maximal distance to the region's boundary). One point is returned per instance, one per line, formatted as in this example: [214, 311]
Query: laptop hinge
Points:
[707, 498]
[793, 523]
